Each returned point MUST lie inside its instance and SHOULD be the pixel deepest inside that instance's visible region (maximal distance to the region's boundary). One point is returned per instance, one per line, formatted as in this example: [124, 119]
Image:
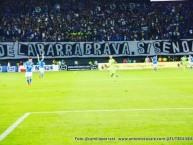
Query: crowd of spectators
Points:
[93, 20]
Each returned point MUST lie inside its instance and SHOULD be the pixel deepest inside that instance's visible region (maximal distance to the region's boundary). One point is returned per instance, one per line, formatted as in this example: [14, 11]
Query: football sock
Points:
[28, 81]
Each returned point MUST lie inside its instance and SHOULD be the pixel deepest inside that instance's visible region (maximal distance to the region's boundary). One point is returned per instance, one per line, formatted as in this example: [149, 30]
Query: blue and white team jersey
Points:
[191, 59]
[41, 64]
[29, 66]
[154, 60]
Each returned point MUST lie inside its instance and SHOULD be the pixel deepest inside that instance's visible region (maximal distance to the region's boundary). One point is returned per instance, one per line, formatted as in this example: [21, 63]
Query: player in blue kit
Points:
[29, 66]
[41, 66]
[154, 61]
[191, 61]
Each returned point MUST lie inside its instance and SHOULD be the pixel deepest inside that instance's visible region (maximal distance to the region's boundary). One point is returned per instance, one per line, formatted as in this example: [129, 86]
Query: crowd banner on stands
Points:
[36, 68]
[17, 50]
[128, 66]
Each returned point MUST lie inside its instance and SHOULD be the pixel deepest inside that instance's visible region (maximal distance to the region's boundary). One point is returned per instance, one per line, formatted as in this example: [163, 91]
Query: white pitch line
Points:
[114, 110]
[13, 126]
[21, 119]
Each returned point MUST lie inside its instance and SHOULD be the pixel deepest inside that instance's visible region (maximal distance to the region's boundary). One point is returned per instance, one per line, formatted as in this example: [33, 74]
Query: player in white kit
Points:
[41, 66]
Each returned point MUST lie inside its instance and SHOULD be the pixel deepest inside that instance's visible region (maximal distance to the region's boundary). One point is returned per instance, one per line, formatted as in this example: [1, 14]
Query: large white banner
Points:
[95, 49]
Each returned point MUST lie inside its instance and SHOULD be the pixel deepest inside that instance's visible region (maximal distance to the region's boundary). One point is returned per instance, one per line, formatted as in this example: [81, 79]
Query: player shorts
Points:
[184, 63]
[28, 74]
[42, 70]
[155, 64]
[112, 69]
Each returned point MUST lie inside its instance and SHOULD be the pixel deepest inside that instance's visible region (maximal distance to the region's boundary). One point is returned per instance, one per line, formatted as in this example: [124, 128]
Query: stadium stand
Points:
[80, 20]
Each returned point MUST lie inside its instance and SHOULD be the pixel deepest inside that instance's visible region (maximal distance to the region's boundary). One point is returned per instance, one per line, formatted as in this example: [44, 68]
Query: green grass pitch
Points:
[119, 107]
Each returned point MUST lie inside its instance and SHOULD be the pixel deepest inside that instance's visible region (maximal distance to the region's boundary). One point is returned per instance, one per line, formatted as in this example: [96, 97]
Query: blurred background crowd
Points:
[93, 20]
